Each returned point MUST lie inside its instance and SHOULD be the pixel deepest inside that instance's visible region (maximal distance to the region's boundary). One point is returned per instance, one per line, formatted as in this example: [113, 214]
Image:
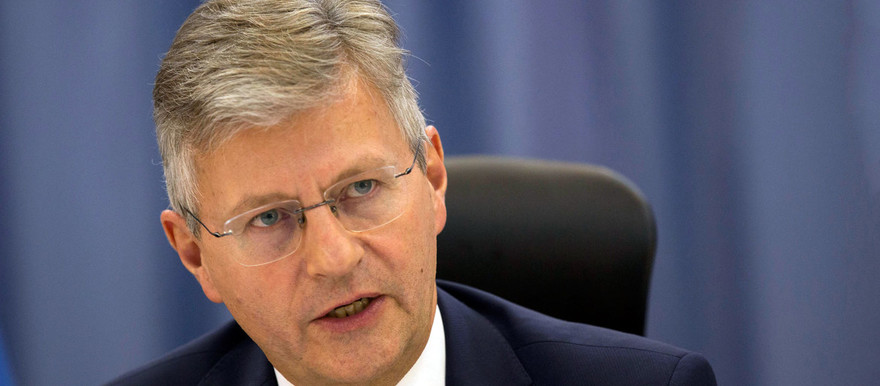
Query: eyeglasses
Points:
[363, 202]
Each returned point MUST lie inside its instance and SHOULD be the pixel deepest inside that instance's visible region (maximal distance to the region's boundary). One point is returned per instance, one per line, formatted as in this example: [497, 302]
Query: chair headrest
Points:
[570, 240]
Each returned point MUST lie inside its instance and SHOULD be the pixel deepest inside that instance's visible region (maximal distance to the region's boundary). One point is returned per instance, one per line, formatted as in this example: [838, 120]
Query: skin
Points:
[282, 305]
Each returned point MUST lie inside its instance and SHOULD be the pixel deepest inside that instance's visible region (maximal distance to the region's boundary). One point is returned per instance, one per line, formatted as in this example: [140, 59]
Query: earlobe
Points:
[185, 243]
[436, 173]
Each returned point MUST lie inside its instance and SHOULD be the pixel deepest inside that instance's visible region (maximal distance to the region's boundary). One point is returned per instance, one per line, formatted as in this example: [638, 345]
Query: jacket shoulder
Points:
[190, 363]
[554, 351]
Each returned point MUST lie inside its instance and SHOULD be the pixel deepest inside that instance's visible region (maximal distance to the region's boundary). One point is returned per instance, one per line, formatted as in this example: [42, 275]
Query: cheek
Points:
[263, 305]
[250, 291]
[413, 235]
[413, 242]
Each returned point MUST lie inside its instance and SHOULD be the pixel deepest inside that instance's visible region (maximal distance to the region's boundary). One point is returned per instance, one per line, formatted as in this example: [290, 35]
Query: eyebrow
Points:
[251, 202]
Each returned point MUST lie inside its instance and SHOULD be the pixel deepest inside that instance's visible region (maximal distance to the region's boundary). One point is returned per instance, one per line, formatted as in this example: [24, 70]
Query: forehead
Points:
[306, 152]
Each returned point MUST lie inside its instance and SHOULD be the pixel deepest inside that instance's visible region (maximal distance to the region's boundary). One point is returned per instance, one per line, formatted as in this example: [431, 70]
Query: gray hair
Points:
[236, 65]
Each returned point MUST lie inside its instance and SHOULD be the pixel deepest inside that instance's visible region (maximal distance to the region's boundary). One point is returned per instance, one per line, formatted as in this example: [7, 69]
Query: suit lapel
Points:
[476, 352]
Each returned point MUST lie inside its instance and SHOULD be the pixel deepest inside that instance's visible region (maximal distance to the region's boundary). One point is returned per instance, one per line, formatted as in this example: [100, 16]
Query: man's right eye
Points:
[268, 218]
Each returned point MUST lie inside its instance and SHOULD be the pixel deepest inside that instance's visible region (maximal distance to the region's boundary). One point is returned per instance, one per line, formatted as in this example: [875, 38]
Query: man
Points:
[306, 195]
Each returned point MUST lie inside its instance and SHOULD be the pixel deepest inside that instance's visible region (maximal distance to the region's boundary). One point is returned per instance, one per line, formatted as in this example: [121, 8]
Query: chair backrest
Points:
[572, 241]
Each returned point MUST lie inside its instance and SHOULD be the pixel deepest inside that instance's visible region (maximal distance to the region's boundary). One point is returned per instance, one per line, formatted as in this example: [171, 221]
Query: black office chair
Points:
[572, 241]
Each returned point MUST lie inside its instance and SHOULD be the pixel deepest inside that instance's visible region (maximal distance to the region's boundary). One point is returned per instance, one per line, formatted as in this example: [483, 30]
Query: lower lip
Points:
[360, 320]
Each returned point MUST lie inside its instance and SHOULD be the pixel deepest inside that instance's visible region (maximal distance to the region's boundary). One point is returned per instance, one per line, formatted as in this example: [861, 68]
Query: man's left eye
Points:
[361, 188]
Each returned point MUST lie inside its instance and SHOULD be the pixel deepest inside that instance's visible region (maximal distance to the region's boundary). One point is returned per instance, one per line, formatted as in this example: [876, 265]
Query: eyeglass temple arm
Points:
[411, 166]
[215, 234]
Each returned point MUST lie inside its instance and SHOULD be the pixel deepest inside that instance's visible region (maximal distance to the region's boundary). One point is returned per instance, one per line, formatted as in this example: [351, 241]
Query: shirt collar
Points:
[429, 369]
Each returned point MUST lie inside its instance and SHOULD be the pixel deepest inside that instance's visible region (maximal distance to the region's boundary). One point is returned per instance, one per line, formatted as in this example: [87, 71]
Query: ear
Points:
[436, 173]
[187, 247]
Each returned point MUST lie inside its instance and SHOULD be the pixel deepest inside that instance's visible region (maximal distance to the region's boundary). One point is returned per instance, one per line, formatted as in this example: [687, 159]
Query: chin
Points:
[358, 374]
[367, 363]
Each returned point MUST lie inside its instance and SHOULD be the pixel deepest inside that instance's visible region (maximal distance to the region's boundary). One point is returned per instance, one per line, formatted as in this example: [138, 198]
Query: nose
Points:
[329, 249]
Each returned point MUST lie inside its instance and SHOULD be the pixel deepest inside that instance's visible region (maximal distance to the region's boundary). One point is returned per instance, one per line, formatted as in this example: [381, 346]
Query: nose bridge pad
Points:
[329, 203]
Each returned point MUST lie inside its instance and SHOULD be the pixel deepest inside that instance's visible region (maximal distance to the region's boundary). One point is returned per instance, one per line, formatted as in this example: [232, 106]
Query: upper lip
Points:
[350, 300]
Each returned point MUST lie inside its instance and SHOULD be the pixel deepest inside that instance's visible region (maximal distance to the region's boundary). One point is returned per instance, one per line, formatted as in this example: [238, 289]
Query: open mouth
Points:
[350, 309]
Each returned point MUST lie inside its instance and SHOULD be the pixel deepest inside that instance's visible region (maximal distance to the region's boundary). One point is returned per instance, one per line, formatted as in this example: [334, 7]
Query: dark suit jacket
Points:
[489, 341]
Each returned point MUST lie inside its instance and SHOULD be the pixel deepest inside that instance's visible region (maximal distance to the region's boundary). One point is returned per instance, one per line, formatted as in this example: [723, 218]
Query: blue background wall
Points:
[751, 126]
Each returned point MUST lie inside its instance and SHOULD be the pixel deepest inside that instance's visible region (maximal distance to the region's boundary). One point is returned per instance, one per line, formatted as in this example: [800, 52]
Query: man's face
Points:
[284, 305]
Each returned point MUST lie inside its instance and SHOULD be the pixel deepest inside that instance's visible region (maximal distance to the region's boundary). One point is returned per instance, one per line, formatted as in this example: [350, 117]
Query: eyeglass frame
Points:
[302, 210]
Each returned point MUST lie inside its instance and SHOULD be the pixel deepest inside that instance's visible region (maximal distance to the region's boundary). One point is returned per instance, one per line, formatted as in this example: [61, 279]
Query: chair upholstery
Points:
[572, 241]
